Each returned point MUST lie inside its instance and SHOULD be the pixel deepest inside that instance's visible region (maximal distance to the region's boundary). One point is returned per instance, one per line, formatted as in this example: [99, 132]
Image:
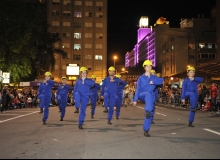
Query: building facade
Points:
[173, 49]
[82, 27]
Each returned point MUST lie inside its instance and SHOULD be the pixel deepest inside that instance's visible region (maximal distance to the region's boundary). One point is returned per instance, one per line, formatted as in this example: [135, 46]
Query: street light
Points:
[123, 71]
[115, 57]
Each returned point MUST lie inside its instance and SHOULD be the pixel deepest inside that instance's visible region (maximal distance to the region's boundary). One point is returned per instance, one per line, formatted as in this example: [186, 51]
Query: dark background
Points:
[124, 16]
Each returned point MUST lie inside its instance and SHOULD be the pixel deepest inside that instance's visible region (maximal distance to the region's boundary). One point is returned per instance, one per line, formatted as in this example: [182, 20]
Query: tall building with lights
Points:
[172, 49]
[148, 45]
[82, 27]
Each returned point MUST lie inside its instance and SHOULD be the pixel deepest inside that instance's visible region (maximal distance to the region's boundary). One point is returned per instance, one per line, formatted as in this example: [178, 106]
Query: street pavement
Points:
[23, 135]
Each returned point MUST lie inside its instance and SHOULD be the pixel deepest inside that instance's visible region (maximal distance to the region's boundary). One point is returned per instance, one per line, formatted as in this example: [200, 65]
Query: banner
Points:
[6, 76]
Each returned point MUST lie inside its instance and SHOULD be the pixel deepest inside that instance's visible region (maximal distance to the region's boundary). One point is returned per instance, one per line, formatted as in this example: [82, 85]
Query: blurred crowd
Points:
[208, 98]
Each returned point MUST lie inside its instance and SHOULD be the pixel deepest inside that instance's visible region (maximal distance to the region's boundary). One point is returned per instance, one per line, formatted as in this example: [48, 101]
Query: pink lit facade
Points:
[144, 49]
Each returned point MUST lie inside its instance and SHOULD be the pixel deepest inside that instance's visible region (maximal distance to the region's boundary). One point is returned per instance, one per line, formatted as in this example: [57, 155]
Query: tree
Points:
[18, 30]
[24, 39]
[45, 55]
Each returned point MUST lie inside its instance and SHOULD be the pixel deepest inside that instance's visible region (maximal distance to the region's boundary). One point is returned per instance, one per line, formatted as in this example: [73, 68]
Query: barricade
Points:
[175, 101]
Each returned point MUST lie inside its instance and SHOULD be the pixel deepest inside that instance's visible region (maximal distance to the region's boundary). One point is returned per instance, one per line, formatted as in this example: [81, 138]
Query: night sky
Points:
[124, 16]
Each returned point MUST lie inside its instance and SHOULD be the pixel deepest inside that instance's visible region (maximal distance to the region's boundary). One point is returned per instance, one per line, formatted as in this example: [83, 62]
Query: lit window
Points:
[78, 14]
[66, 45]
[88, 24]
[88, 14]
[88, 35]
[98, 57]
[55, 23]
[99, 4]
[99, 25]
[77, 46]
[88, 46]
[99, 35]
[66, 2]
[99, 14]
[201, 45]
[78, 3]
[88, 3]
[98, 46]
[66, 24]
[98, 68]
[88, 56]
[77, 35]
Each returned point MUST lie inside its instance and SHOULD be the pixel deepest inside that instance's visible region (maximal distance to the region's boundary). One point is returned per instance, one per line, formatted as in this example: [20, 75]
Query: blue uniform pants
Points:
[193, 102]
[81, 102]
[109, 98]
[44, 103]
[118, 102]
[62, 106]
[148, 98]
[93, 99]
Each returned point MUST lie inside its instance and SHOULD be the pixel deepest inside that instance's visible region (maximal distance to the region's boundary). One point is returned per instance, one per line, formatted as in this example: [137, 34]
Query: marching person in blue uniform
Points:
[62, 95]
[44, 95]
[81, 94]
[145, 92]
[156, 95]
[119, 94]
[108, 91]
[190, 91]
[93, 95]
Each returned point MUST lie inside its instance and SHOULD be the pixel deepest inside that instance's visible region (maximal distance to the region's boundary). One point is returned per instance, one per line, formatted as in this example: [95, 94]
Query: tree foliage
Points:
[45, 56]
[24, 39]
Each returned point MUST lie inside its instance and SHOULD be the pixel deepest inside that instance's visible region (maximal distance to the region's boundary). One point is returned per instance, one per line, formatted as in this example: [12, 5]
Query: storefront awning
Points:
[209, 69]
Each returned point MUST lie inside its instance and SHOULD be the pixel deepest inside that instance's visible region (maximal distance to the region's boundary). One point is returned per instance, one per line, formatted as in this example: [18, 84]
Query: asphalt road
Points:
[23, 135]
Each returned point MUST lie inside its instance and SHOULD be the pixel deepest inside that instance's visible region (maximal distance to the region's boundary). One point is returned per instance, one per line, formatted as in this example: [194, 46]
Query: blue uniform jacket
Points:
[62, 92]
[83, 88]
[45, 89]
[110, 87]
[144, 86]
[190, 86]
[94, 89]
[120, 87]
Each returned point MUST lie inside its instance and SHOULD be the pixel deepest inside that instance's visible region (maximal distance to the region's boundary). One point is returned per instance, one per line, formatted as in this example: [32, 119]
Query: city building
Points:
[82, 27]
[173, 49]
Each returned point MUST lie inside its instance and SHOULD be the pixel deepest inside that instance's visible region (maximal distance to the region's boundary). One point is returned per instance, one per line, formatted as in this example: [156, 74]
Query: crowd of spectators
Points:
[208, 98]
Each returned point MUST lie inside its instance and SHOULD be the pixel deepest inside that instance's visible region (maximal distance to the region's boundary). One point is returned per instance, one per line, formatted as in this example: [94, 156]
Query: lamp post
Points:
[115, 57]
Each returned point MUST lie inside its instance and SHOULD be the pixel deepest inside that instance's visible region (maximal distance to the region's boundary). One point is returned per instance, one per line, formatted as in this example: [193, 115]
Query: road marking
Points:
[5, 114]
[139, 107]
[18, 117]
[155, 112]
[209, 130]
[161, 114]
[20, 111]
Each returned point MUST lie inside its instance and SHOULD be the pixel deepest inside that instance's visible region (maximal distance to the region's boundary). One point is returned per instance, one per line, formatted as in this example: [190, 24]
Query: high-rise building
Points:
[172, 49]
[82, 27]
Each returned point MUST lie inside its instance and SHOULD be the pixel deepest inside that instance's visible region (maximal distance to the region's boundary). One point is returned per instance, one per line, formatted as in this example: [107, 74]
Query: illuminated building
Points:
[82, 27]
[172, 49]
